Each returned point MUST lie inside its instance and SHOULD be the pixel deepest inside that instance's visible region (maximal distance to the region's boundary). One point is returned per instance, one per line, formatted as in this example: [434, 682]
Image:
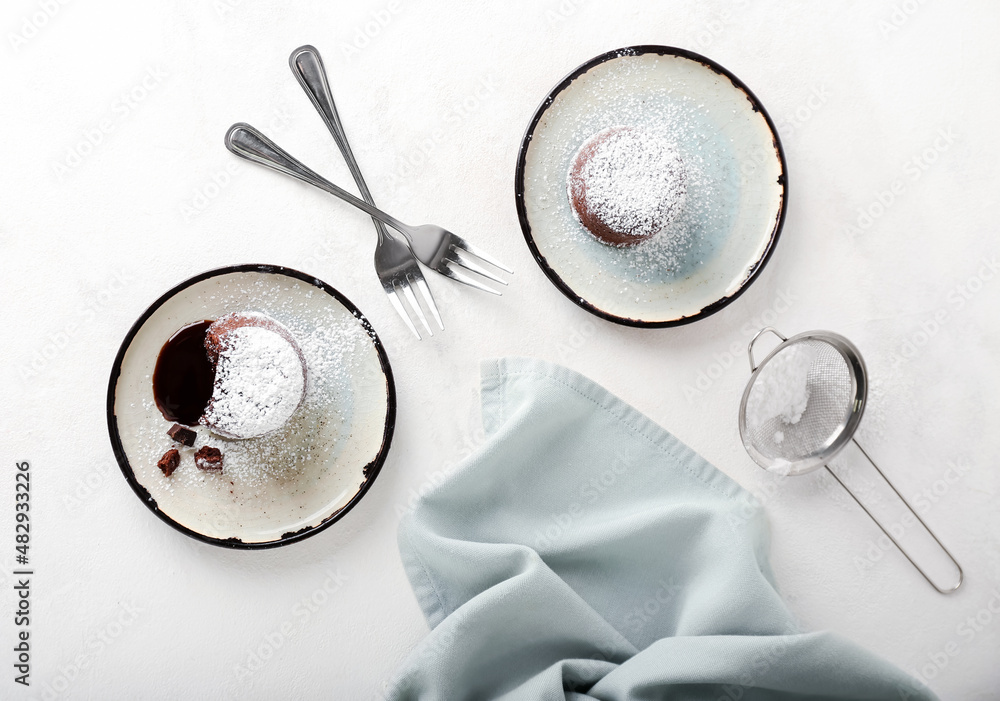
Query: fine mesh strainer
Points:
[802, 405]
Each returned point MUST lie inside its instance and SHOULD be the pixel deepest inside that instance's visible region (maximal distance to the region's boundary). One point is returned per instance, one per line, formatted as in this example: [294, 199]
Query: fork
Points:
[434, 246]
[395, 264]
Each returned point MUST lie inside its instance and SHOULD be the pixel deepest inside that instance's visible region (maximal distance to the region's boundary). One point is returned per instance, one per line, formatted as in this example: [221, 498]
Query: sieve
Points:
[802, 406]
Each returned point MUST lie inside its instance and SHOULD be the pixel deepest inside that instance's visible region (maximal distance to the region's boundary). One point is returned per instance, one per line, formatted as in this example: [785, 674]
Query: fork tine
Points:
[465, 260]
[408, 293]
[459, 242]
[398, 306]
[449, 272]
[425, 292]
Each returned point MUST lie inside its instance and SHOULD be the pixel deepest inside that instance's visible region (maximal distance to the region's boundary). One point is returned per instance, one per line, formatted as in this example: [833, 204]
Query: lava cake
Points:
[626, 185]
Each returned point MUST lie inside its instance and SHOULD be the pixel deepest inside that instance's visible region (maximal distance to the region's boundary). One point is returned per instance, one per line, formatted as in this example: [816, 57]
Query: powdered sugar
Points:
[692, 223]
[711, 245]
[259, 382]
[296, 476]
[781, 390]
[331, 350]
[332, 345]
[632, 180]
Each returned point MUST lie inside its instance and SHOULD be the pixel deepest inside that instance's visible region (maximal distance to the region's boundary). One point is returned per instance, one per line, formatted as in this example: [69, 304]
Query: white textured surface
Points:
[888, 107]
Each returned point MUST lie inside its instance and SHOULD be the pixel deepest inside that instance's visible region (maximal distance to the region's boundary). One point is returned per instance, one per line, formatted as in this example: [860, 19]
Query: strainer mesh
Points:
[830, 390]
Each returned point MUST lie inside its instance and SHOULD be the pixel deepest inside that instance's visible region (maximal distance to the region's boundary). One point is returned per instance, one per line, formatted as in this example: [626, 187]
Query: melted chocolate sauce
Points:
[183, 377]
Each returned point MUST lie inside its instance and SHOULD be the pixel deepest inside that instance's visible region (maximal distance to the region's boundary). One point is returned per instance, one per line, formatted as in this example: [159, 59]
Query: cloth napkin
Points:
[585, 553]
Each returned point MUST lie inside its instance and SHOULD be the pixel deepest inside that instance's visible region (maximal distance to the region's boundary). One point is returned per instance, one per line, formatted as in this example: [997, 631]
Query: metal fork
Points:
[435, 247]
[395, 265]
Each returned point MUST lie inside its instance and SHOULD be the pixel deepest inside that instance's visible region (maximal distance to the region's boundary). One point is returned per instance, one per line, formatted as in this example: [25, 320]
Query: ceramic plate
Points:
[283, 486]
[736, 186]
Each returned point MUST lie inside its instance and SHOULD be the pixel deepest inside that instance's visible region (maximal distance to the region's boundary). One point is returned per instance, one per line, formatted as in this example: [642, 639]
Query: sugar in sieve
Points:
[802, 406]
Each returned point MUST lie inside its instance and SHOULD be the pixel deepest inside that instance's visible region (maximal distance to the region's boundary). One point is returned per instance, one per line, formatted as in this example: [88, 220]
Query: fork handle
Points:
[247, 142]
[307, 66]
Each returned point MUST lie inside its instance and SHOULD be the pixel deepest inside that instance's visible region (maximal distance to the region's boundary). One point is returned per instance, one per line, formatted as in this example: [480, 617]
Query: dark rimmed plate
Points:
[737, 186]
[293, 483]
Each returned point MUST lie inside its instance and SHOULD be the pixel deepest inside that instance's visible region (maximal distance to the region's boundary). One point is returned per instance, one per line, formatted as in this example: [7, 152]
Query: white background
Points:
[125, 607]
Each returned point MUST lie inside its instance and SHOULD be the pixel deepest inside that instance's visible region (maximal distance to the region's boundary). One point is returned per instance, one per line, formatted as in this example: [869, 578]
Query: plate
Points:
[736, 186]
[289, 484]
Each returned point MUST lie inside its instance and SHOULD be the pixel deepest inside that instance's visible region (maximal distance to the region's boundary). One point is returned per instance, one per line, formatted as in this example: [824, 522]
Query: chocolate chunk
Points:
[184, 436]
[209, 459]
[169, 462]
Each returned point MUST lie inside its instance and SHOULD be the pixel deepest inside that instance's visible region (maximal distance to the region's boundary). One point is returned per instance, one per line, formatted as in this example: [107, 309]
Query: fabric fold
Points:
[583, 552]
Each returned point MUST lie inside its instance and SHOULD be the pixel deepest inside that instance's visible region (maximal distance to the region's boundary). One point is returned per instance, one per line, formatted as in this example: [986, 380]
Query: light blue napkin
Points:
[585, 553]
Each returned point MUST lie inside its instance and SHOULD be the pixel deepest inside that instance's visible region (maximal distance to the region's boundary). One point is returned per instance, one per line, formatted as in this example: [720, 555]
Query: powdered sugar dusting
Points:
[259, 382]
[296, 476]
[633, 180]
[336, 349]
[695, 227]
[781, 390]
[330, 350]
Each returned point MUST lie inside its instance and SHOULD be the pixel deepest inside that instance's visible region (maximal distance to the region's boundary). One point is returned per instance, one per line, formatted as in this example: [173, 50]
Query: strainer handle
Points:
[753, 363]
[958, 567]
